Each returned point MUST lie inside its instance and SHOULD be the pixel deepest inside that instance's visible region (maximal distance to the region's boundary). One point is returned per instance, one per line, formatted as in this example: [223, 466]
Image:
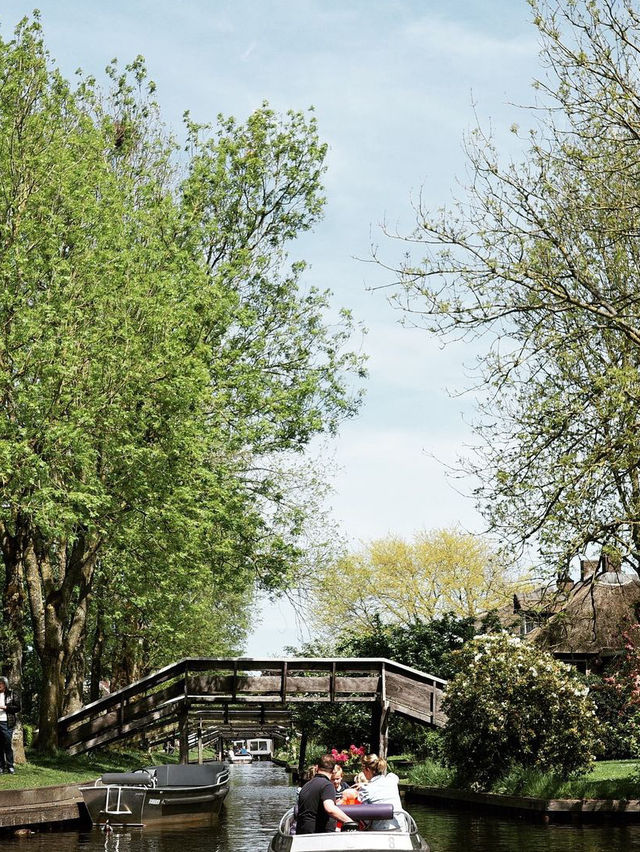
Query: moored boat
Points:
[353, 836]
[158, 795]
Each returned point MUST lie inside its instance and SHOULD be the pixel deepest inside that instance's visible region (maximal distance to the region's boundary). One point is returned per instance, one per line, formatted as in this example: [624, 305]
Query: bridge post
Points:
[183, 728]
[380, 718]
[302, 757]
[200, 745]
[379, 741]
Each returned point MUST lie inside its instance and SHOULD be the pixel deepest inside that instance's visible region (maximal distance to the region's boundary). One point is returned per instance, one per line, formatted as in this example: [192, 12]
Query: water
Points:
[261, 792]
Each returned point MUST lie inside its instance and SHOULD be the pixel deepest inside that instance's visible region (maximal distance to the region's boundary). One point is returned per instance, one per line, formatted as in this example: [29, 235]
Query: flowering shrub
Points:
[349, 760]
[511, 704]
[617, 698]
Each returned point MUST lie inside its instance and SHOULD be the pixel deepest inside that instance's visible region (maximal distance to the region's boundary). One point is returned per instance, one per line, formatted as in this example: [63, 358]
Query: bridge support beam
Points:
[183, 728]
[302, 757]
[380, 727]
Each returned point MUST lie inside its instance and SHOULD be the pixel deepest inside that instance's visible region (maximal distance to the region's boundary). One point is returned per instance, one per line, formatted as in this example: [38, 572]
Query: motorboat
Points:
[239, 757]
[356, 835]
[158, 794]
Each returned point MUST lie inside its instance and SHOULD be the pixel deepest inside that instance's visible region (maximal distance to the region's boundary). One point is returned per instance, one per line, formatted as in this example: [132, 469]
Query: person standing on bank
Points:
[317, 809]
[9, 706]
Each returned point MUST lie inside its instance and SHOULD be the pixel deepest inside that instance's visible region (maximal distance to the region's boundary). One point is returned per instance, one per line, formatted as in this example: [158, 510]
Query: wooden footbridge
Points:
[233, 697]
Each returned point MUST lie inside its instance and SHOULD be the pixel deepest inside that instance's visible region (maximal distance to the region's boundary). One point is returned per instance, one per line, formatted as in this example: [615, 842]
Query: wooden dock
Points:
[41, 807]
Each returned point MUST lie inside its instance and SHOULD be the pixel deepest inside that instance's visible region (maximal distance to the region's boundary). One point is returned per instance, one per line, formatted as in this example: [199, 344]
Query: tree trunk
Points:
[97, 650]
[13, 615]
[50, 704]
[58, 599]
[74, 690]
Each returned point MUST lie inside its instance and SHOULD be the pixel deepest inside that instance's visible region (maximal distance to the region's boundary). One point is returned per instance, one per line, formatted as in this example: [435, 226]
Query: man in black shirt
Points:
[317, 809]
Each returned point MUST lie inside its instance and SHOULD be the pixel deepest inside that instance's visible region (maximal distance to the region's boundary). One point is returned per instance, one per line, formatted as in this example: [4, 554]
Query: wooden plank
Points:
[114, 718]
[114, 734]
[347, 685]
[114, 698]
[223, 685]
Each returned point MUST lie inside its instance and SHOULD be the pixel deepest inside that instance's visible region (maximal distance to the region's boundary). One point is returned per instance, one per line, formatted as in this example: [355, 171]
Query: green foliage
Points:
[617, 700]
[423, 645]
[540, 259]
[161, 364]
[405, 582]
[513, 705]
[431, 773]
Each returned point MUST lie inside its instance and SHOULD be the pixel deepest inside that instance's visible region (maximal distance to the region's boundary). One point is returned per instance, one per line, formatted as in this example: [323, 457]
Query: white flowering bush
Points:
[511, 704]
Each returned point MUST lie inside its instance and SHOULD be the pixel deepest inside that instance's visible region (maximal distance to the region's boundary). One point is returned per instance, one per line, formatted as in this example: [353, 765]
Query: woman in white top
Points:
[381, 788]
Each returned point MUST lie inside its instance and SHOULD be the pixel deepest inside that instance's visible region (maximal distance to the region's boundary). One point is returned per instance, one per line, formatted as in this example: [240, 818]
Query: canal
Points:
[261, 792]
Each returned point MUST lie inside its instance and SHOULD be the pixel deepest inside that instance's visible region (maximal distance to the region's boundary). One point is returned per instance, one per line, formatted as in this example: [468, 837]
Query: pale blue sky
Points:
[392, 83]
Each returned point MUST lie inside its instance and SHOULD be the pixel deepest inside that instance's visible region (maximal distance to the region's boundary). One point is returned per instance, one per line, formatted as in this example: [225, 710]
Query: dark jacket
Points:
[12, 703]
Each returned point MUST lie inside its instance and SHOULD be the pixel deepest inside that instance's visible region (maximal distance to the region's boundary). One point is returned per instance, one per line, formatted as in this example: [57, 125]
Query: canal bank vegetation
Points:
[54, 768]
[607, 779]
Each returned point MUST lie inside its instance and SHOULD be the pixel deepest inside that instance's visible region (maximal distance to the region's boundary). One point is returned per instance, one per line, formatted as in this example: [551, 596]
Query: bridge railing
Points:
[215, 689]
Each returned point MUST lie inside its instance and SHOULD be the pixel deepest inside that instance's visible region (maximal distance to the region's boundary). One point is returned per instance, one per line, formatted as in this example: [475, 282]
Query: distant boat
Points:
[156, 795]
[259, 748]
[239, 757]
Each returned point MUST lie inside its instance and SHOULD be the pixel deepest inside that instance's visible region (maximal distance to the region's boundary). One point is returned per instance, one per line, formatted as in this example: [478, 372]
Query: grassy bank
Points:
[609, 779]
[62, 768]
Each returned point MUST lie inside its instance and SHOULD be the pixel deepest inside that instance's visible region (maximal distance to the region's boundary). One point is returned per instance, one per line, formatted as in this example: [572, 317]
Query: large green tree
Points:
[158, 355]
[539, 260]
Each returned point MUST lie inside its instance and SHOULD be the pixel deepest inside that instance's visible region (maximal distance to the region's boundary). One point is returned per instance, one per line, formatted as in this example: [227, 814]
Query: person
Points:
[317, 809]
[9, 706]
[381, 787]
[337, 776]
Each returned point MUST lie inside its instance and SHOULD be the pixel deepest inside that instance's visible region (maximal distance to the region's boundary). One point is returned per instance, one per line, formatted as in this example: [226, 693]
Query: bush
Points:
[431, 774]
[511, 705]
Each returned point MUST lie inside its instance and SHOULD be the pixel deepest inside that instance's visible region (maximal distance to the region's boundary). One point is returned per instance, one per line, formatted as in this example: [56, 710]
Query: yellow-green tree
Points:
[407, 581]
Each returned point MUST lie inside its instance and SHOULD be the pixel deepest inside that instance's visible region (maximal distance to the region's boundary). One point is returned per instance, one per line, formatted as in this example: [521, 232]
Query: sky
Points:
[395, 85]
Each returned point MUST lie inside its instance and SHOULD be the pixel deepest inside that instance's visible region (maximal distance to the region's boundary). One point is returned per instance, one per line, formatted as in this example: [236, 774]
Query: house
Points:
[581, 622]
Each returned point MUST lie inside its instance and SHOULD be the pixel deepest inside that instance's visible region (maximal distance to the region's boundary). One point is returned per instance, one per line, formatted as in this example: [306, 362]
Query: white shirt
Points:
[3, 704]
[382, 789]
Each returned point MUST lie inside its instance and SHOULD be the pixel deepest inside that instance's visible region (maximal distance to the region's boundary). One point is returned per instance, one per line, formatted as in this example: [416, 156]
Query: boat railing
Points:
[359, 812]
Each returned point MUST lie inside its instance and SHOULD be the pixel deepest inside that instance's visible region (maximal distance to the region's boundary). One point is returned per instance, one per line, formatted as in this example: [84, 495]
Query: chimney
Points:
[588, 568]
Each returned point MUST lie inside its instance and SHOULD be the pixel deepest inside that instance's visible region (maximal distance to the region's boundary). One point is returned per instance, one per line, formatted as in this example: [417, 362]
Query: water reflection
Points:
[261, 792]
[457, 830]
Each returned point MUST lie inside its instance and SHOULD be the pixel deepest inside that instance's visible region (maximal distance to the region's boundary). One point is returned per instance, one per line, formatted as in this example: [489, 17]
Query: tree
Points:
[511, 704]
[158, 357]
[541, 259]
[403, 583]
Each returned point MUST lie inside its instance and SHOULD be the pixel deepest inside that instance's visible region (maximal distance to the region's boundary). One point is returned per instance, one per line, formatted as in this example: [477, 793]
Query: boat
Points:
[260, 748]
[158, 795]
[238, 757]
[352, 836]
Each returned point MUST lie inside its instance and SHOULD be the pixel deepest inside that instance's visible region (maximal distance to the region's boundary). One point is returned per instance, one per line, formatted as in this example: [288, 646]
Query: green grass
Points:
[609, 779]
[430, 773]
[61, 768]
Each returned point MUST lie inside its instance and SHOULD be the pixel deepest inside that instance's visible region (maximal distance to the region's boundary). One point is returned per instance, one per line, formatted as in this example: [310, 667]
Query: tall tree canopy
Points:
[400, 582]
[158, 354]
[541, 257]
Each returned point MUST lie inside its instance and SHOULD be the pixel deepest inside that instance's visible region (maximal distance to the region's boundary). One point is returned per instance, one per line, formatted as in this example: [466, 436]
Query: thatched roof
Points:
[597, 612]
[540, 602]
